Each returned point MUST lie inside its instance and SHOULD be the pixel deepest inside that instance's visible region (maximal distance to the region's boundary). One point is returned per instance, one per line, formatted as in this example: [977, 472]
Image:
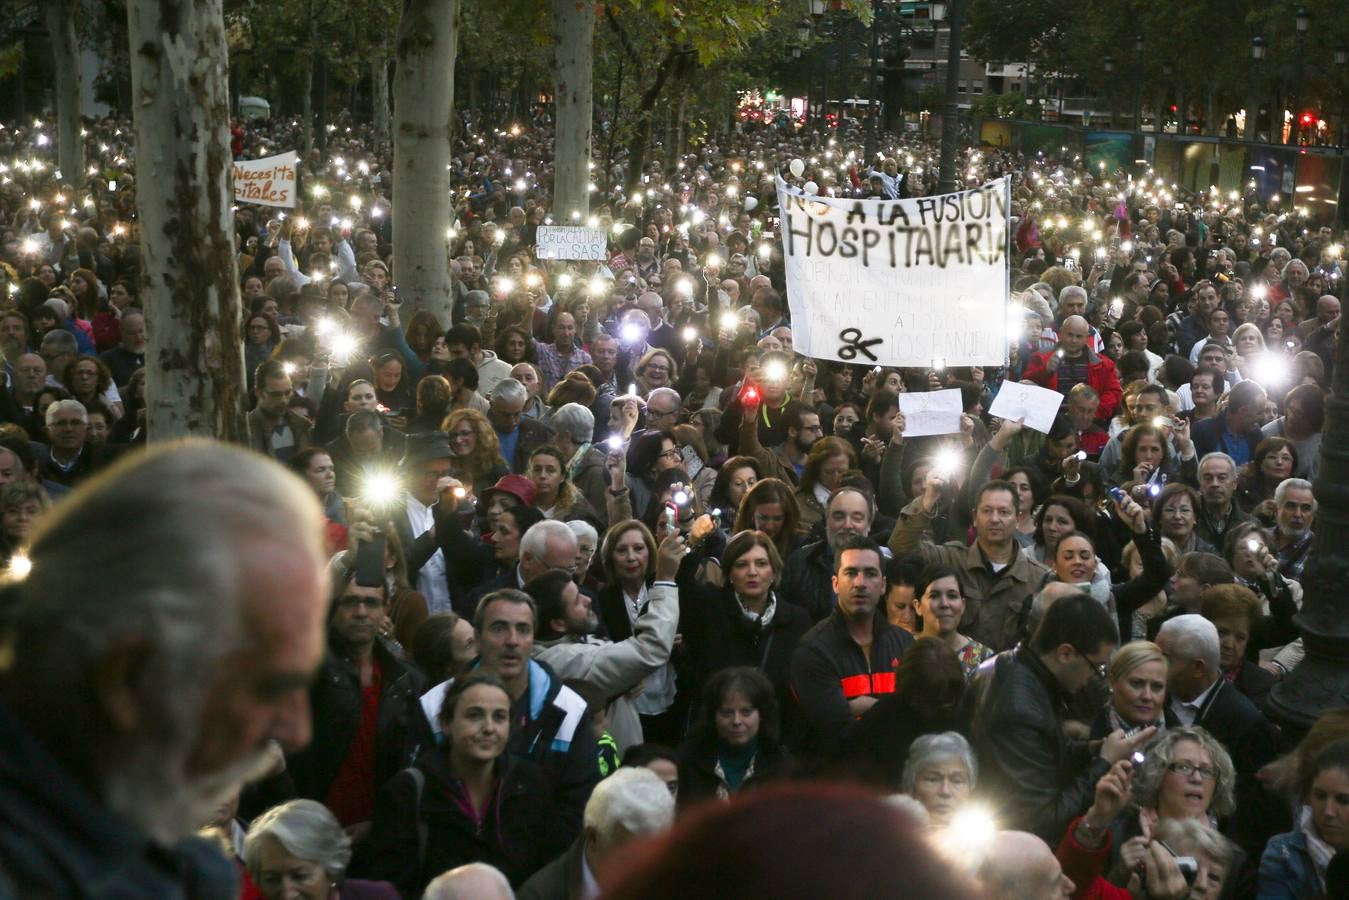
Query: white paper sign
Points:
[571, 242]
[1037, 405]
[269, 182]
[935, 412]
[899, 282]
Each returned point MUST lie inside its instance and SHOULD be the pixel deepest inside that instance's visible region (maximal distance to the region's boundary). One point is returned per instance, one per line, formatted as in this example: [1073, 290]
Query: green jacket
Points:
[996, 606]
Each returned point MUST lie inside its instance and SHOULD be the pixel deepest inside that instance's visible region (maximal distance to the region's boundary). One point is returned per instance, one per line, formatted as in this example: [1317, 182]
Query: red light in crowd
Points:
[1306, 118]
[751, 395]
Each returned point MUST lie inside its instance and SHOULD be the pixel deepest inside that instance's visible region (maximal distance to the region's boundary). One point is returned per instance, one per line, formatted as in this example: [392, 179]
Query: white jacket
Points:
[614, 669]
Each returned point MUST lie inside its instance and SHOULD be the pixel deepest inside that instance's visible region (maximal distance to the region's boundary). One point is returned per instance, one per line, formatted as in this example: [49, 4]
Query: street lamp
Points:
[817, 9]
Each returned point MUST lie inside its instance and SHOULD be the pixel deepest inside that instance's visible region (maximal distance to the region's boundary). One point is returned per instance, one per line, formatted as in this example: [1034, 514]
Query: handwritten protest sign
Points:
[899, 282]
[1035, 404]
[934, 412]
[269, 182]
[571, 242]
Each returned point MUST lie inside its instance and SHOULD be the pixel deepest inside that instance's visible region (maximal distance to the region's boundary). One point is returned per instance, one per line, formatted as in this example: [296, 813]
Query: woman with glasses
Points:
[477, 454]
[1186, 774]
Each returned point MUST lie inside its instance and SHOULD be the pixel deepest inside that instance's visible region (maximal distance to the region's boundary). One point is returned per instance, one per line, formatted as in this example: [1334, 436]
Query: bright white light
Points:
[775, 370]
[343, 345]
[380, 489]
[947, 462]
[19, 567]
[690, 334]
[615, 442]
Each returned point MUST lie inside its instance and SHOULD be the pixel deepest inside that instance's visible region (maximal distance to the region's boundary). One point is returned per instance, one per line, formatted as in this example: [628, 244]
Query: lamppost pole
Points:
[1303, 18]
[869, 148]
[1321, 681]
[950, 117]
[1138, 83]
[1341, 60]
[1109, 65]
[1253, 108]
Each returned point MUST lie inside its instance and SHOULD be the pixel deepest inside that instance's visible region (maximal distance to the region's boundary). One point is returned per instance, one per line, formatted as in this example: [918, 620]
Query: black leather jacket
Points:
[1013, 716]
[335, 699]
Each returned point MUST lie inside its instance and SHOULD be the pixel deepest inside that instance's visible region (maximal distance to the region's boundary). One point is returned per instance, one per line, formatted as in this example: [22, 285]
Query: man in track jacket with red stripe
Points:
[847, 661]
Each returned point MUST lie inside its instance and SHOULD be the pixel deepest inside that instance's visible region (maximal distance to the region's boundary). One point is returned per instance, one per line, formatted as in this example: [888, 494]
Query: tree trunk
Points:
[70, 146]
[183, 196]
[424, 106]
[379, 97]
[573, 96]
[307, 109]
[642, 133]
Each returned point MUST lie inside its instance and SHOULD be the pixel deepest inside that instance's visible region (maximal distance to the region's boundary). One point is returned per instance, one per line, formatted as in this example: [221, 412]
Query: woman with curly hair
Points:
[477, 453]
[515, 345]
[825, 465]
[422, 331]
[88, 379]
[555, 495]
[1187, 774]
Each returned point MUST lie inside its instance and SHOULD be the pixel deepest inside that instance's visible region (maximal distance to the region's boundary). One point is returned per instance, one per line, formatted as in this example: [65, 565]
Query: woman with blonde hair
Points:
[656, 368]
[477, 452]
[1137, 680]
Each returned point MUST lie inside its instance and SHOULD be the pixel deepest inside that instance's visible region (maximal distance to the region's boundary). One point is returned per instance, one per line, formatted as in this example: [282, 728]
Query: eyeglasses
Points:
[672, 453]
[1185, 770]
[658, 414]
[1102, 670]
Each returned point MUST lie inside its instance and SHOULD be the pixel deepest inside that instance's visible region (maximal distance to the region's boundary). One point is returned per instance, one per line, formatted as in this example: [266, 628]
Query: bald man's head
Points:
[1020, 866]
[1073, 335]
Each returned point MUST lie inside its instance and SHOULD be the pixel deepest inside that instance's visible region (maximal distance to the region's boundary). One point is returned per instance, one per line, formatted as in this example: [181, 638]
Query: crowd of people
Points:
[599, 587]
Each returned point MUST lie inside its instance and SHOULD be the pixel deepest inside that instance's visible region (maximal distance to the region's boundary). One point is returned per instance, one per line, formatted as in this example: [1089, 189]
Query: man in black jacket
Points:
[847, 662]
[362, 701]
[808, 574]
[1014, 709]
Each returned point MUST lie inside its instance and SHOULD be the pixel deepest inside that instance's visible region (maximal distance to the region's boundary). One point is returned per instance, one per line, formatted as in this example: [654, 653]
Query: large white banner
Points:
[270, 181]
[899, 282]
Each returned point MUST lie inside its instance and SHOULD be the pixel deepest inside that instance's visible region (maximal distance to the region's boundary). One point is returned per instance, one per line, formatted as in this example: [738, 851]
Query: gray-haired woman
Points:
[298, 851]
[940, 773]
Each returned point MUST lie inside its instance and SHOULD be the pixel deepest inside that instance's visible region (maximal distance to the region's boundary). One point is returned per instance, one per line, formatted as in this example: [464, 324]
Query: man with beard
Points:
[1295, 510]
[808, 574]
[361, 700]
[145, 671]
[566, 641]
[847, 662]
[787, 460]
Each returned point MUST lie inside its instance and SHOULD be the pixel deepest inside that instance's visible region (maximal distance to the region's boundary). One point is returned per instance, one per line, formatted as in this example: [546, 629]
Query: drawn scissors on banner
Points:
[853, 344]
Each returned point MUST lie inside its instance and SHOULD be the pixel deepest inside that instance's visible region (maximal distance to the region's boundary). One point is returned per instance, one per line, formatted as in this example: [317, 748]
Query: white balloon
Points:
[812, 187]
[798, 167]
[751, 204]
